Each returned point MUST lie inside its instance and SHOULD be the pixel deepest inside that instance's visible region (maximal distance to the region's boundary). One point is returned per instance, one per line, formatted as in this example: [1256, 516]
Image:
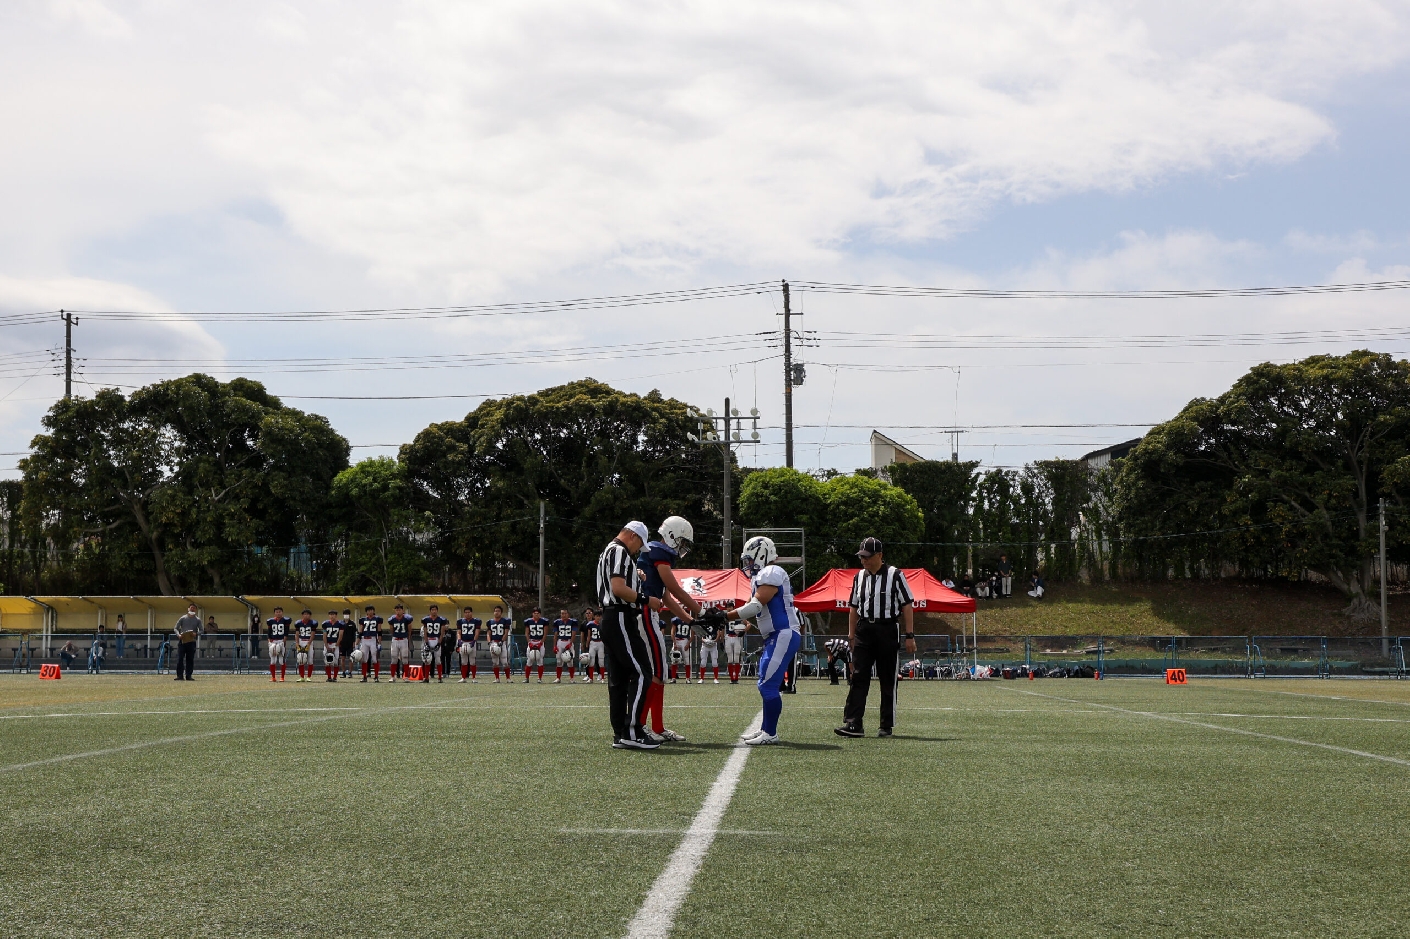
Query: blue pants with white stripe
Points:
[779, 650]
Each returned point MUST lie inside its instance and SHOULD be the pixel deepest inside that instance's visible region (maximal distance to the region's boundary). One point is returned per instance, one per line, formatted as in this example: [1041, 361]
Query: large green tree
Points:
[944, 491]
[378, 530]
[836, 514]
[195, 474]
[1290, 462]
[597, 457]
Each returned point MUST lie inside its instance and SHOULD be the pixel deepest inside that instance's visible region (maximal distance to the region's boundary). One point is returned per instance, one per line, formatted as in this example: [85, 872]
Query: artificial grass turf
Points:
[442, 809]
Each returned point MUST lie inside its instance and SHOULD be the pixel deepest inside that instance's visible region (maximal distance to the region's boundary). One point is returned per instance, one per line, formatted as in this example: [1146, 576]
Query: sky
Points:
[185, 159]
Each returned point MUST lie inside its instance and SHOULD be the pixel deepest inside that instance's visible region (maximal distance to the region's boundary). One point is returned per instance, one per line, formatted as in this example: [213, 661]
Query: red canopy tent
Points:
[833, 589]
[723, 589]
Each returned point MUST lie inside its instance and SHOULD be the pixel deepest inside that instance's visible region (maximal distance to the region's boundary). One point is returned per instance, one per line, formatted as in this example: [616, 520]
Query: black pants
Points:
[628, 671]
[878, 644]
[836, 664]
[185, 658]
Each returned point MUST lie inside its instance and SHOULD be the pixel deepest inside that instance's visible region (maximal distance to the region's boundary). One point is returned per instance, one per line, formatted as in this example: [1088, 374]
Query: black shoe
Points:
[617, 744]
[848, 730]
[630, 744]
[178, 678]
[883, 732]
[834, 682]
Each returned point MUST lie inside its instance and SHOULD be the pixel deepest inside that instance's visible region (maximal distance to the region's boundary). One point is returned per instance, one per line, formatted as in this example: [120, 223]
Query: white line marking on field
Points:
[143, 744]
[186, 738]
[657, 831]
[1230, 730]
[658, 913]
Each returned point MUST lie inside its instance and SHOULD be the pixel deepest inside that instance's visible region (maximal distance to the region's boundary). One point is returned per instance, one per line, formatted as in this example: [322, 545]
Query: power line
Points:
[987, 293]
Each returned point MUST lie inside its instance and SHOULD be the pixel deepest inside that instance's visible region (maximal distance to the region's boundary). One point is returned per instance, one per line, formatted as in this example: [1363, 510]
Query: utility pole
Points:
[68, 354]
[787, 380]
[712, 429]
[727, 540]
[542, 577]
[1385, 618]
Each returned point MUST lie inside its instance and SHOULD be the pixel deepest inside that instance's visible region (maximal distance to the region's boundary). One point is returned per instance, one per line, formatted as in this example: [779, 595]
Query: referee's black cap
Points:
[869, 547]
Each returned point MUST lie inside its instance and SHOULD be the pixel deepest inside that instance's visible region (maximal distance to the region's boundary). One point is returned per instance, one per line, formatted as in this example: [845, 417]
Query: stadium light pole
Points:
[720, 429]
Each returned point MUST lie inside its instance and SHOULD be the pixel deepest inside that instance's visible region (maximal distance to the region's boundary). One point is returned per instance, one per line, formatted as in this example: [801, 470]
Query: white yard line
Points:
[1229, 730]
[663, 901]
[658, 831]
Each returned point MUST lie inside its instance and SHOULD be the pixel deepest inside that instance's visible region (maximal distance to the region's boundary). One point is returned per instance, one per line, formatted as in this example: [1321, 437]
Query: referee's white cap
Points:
[638, 529]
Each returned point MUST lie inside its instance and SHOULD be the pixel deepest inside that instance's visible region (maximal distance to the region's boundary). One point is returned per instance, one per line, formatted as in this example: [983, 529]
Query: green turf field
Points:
[231, 807]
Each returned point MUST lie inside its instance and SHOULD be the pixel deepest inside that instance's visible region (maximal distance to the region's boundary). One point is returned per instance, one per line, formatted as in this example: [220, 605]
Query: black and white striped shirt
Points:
[880, 595]
[616, 561]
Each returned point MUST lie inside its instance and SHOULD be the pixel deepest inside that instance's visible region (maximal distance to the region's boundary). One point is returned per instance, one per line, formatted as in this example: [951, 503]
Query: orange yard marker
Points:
[415, 672]
[50, 671]
[1175, 676]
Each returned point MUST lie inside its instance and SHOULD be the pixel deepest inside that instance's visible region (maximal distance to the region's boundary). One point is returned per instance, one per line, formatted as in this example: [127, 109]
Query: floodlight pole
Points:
[1385, 618]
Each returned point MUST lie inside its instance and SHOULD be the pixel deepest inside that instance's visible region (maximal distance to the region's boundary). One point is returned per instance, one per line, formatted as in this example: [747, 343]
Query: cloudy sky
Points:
[187, 159]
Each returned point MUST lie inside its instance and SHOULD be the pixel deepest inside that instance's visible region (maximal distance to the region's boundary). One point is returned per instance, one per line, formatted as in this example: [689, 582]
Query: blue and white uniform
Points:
[781, 628]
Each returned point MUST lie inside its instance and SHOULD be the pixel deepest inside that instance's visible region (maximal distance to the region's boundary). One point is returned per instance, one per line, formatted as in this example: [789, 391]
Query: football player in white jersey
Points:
[369, 644]
[771, 607]
[535, 634]
[734, 649]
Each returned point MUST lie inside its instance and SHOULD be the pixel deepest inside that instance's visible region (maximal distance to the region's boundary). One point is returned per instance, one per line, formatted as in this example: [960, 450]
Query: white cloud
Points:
[462, 149]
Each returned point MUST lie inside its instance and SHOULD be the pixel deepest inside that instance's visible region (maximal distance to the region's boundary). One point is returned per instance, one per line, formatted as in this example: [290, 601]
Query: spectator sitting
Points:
[68, 653]
[981, 588]
[967, 585]
[1036, 587]
[947, 582]
[995, 591]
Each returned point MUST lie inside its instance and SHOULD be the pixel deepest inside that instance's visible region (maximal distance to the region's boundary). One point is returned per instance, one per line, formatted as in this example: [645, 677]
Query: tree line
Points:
[195, 485]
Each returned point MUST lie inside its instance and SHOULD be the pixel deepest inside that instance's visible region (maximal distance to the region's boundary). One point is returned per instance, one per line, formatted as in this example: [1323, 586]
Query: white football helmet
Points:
[302, 658]
[759, 552]
[584, 659]
[356, 656]
[428, 655]
[330, 657]
[678, 535]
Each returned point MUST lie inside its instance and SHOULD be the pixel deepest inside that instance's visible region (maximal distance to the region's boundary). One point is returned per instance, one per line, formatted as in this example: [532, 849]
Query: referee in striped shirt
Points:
[881, 604]
[629, 671]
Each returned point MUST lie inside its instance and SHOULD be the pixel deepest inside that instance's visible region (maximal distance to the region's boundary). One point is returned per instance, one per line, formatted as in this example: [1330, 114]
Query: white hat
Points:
[639, 529]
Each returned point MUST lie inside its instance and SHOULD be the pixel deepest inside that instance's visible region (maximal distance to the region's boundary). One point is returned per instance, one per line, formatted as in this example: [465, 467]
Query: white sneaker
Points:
[462, 681]
[701, 681]
[556, 681]
[750, 734]
[670, 735]
[717, 681]
[761, 740]
[392, 680]
[654, 738]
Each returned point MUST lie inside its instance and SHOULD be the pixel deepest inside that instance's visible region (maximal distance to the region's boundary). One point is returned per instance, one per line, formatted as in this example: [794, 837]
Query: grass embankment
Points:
[1180, 609]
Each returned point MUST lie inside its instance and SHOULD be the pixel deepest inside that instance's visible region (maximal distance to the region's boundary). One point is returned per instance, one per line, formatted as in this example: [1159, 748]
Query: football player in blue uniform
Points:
[535, 631]
[467, 637]
[596, 654]
[304, 630]
[565, 630]
[369, 646]
[501, 631]
[332, 632]
[400, 624]
[664, 592]
[680, 648]
[771, 607]
[433, 627]
[278, 632]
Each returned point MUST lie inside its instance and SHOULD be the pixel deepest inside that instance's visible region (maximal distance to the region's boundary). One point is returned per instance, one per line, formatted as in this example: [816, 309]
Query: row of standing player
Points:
[358, 645]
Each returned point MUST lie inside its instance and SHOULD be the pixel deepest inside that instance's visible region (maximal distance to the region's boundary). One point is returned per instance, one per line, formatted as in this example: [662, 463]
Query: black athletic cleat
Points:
[630, 744]
[848, 730]
[883, 732]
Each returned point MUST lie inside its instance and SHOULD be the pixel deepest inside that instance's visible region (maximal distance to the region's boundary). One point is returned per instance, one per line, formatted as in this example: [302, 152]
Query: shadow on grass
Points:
[925, 739]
